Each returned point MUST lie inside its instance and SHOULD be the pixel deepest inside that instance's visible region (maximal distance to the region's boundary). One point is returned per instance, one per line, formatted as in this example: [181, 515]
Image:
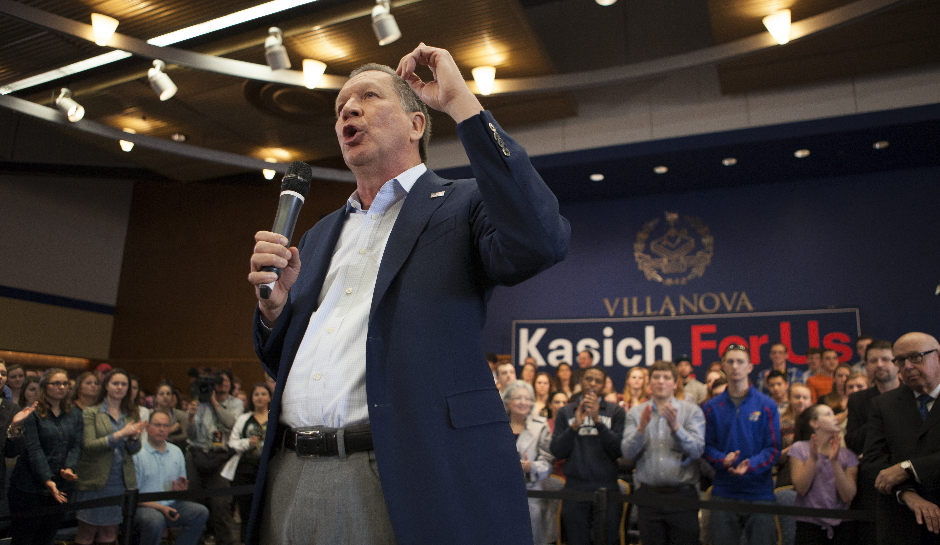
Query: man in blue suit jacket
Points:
[406, 366]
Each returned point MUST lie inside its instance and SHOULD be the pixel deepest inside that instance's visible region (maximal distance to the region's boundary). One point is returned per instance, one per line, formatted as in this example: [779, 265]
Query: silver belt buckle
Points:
[310, 444]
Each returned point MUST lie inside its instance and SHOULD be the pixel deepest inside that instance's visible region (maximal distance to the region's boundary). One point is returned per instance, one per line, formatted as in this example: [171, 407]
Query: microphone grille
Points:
[297, 178]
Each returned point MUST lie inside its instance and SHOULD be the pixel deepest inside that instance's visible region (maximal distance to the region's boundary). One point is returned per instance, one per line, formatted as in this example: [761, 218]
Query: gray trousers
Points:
[324, 501]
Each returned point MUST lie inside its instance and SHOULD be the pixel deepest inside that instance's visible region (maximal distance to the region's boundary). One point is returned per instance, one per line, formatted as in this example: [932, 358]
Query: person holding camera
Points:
[209, 430]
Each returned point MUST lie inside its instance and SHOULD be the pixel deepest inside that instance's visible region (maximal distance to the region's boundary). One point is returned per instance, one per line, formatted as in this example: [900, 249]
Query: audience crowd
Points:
[834, 435]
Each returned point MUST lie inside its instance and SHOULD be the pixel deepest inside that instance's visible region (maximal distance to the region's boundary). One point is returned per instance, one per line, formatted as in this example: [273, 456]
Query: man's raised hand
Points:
[447, 91]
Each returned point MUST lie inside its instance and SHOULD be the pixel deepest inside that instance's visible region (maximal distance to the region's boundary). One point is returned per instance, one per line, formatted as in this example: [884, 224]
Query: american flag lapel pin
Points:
[438, 194]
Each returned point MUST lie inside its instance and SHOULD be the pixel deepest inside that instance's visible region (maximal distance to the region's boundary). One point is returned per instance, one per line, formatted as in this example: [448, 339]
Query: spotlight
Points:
[383, 23]
[103, 27]
[274, 50]
[313, 71]
[779, 25]
[484, 76]
[73, 110]
[606, 2]
[160, 82]
[269, 174]
[126, 145]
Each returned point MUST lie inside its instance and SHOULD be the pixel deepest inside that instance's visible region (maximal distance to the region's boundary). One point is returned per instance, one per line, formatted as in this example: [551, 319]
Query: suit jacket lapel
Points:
[412, 219]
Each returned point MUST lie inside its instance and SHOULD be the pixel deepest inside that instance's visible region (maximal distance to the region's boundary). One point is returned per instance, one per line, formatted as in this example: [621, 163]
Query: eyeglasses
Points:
[58, 384]
[913, 358]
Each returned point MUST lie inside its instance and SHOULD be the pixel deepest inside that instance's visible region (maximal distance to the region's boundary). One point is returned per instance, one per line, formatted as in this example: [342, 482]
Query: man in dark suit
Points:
[903, 445]
[376, 342]
[879, 362]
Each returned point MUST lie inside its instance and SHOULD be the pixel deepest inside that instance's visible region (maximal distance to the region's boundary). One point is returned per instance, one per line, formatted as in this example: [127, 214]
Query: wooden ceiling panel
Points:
[903, 37]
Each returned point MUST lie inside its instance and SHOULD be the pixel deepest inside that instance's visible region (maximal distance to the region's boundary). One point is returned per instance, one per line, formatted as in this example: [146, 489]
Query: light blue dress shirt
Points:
[327, 381]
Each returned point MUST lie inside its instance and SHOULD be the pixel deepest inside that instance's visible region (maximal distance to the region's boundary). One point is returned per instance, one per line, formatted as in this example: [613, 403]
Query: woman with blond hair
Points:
[634, 390]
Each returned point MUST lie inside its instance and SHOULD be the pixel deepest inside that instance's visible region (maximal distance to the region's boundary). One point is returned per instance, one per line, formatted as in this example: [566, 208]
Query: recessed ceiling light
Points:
[881, 144]
[729, 161]
[801, 153]
[660, 170]
[597, 177]
[178, 137]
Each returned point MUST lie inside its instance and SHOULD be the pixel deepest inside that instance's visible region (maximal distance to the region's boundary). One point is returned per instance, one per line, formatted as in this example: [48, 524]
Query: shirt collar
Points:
[933, 393]
[406, 180]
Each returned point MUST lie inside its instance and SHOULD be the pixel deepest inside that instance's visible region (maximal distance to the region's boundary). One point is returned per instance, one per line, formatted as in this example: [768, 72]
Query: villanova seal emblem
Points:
[678, 251]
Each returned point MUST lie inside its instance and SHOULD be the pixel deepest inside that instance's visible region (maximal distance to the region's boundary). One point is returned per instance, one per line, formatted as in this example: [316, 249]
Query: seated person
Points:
[160, 467]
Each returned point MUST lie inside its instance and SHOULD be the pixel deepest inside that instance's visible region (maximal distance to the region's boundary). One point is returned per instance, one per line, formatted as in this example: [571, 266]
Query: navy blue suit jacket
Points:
[446, 456]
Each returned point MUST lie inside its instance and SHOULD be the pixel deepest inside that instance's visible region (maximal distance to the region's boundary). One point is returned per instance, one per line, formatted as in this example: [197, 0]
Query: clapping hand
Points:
[56, 494]
[526, 464]
[21, 416]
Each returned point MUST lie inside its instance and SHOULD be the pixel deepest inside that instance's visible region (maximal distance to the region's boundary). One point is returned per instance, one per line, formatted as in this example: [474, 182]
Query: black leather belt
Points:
[318, 442]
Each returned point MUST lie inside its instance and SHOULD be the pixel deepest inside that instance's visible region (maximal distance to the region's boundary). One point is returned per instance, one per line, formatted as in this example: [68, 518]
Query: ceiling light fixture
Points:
[597, 177]
[268, 173]
[881, 144]
[730, 161]
[660, 170]
[72, 110]
[103, 27]
[126, 145]
[313, 71]
[801, 153]
[778, 24]
[160, 82]
[606, 2]
[232, 19]
[274, 51]
[484, 76]
[384, 24]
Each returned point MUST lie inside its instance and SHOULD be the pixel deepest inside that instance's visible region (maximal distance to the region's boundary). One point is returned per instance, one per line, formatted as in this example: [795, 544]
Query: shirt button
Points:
[362, 251]
[348, 290]
[375, 216]
[331, 328]
[317, 376]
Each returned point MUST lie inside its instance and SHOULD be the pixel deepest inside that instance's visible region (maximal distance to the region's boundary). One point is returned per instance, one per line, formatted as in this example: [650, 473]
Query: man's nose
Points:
[351, 109]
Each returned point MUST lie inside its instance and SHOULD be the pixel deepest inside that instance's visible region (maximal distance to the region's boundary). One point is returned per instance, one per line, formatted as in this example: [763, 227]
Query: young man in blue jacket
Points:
[742, 442]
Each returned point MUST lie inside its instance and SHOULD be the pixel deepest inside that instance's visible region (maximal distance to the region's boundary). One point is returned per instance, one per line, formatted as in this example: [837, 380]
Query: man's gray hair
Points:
[408, 98]
[511, 389]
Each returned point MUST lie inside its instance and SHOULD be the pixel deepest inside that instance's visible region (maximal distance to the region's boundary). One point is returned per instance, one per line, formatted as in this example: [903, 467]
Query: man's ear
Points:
[418, 123]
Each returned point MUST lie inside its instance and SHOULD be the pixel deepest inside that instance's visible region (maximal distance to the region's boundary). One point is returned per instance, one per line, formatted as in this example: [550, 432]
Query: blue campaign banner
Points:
[621, 343]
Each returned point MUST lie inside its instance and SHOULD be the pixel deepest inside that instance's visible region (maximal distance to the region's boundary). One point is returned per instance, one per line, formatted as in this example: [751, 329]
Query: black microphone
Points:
[294, 188]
